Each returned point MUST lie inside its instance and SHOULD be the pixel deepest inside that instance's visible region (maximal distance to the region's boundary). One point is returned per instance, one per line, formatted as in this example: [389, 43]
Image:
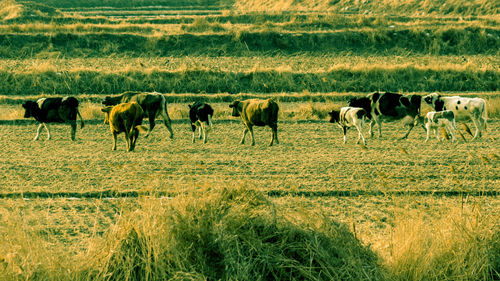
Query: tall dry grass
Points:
[463, 243]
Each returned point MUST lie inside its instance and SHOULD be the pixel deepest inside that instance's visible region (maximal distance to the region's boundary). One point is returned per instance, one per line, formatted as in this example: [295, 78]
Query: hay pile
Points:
[232, 234]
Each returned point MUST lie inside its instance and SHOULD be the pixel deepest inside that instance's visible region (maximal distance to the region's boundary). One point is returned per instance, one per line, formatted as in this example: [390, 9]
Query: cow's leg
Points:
[428, 129]
[250, 128]
[274, 134]
[200, 130]
[115, 135]
[73, 129]
[48, 131]
[38, 131]
[204, 130]
[452, 131]
[344, 132]
[477, 133]
[133, 139]
[435, 133]
[370, 128]
[193, 128]
[360, 133]
[245, 131]
[379, 124]
[410, 124]
[167, 122]
[128, 139]
[152, 124]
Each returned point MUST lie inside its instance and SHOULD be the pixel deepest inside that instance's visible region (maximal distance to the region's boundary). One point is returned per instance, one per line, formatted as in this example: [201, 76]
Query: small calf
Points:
[435, 119]
[349, 117]
[126, 118]
[200, 115]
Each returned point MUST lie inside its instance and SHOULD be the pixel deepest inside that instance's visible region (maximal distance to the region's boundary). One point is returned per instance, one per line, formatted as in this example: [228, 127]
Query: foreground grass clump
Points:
[462, 245]
[232, 234]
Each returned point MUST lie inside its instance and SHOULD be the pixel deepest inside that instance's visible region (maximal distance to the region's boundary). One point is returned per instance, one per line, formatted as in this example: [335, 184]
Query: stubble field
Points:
[310, 208]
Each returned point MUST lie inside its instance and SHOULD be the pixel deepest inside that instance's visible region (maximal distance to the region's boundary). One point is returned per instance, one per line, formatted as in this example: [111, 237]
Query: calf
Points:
[53, 110]
[200, 115]
[257, 112]
[153, 105]
[126, 118]
[445, 119]
[463, 108]
[390, 107]
[349, 117]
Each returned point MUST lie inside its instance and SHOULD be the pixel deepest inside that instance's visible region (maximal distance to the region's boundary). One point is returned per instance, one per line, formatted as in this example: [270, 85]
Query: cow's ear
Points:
[404, 101]
[106, 109]
[25, 105]
[189, 106]
[234, 104]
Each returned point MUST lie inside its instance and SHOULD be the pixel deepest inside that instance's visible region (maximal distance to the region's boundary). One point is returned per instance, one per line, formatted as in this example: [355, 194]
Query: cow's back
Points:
[124, 116]
[260, 112]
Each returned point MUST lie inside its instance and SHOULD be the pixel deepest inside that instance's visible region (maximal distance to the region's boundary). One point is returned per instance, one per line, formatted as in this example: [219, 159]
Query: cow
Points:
[463, 108]
[349, 117]
[125, 118]
[200, 115]
[389, 107]
[435, 119]
[53, 110]
[153, 105]
[257, 112]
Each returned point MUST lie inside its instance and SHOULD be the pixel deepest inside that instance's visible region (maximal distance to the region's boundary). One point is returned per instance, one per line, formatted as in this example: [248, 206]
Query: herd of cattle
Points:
[125, 113]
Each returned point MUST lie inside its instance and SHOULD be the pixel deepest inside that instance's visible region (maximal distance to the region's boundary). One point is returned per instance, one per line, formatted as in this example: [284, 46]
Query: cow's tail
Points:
[81, 119]
[485, 115]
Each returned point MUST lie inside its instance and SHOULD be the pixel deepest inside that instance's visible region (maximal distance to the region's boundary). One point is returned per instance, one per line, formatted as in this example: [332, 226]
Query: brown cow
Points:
[126, 118]
[256, 112]
[153, 105]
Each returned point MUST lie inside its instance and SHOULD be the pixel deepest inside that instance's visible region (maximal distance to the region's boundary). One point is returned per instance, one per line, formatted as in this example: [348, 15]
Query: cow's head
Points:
[234, 106]
[431, 99]
[30, 107]
[107, 101]
[435, 101]
[106, 111]
[334, 116]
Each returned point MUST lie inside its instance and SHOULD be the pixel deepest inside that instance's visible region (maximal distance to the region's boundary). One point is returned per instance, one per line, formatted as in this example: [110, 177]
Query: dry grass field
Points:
[310, 208]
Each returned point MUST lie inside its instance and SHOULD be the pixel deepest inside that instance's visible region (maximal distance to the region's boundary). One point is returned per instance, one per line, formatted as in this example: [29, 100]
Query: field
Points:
[310, 208]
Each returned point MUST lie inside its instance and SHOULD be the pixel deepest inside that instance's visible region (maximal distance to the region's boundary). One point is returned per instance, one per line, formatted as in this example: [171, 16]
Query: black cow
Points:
[153, 105]
[200, 114]
[390, 107]
[53, 110]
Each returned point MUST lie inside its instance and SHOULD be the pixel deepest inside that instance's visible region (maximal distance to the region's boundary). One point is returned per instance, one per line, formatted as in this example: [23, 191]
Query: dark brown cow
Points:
[53, 110]
[153, 105]
[256, 112]
[125, 118]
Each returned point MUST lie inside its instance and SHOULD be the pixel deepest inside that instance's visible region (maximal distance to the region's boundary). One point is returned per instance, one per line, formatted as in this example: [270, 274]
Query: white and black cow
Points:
[463, 108]
[389, 107]
[349, 117]
[435, 119]
[53, 110]
[200, 115]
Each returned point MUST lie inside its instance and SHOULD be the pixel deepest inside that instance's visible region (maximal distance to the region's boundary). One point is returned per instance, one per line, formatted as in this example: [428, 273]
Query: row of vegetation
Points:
[413, 7]
[407, 79]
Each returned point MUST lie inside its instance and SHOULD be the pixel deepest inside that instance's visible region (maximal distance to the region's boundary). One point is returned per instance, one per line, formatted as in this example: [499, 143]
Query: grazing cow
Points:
[53, 110]
[125, 118]
[389, 107]
[463, 108]
[257, 112]
[200, 115]
[445, 119]
[153, 105]
[349, 117]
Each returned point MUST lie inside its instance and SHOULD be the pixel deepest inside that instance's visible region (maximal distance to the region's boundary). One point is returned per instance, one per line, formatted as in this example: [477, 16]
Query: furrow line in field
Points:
[111, 194]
